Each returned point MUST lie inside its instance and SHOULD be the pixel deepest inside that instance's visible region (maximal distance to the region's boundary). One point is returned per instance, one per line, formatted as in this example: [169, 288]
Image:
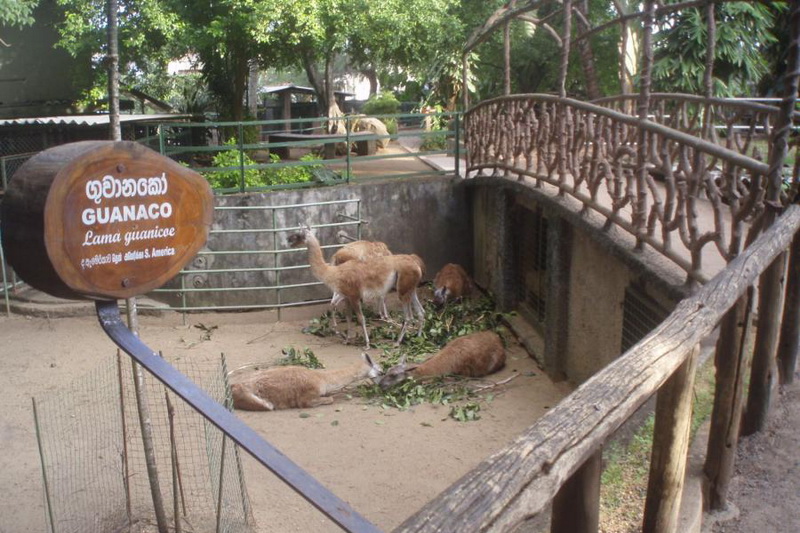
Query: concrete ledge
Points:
[31, 302]
[691, 514]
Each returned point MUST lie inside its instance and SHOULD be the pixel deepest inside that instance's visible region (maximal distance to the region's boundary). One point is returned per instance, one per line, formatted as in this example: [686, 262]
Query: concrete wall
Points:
[597, 283]
[428, 217]
[587, 274]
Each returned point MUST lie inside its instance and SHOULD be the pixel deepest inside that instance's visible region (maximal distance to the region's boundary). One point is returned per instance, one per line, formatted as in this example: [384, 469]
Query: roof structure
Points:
[292, 88]
[87, 120]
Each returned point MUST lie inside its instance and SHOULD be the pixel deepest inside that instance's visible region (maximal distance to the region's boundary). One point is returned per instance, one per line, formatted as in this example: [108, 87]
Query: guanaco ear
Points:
[375, 371]
[367, 358]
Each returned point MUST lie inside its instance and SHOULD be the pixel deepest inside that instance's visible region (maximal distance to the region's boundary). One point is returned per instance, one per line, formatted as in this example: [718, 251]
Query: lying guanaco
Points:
[284, 387]
[474, 355]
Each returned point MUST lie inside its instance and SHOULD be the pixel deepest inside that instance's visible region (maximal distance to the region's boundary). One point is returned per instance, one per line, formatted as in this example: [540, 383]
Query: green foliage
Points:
[435, 140]
[743, 31]
[391, 125]
[285, 175]
[17, 12]
[149, 35]
[294, 357]
[235, 159]
[231, 178]
[467, 412]
[411, 392]
[441, 326]
[382, 103]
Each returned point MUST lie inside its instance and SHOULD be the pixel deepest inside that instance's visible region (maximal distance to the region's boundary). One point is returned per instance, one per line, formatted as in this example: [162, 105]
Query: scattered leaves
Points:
[293, 357]
[441, 326]
[466, 413]
[207, 331]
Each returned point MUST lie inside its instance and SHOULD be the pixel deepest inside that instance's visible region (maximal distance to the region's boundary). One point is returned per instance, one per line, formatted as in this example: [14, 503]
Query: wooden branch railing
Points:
[589, 152]
[519, 481]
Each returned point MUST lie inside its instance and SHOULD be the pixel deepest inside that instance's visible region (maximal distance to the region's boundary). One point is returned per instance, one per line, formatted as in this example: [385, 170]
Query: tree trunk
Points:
[586, 55]
[333, 112]
[241, 71]
[316, 81]
[372, 77]
[113, 73]
[252, 89]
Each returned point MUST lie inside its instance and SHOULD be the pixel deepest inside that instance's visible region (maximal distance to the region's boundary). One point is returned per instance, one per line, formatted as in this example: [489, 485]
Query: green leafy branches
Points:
[441, 326]
[294, 357]
[17, 12]
[232, 164]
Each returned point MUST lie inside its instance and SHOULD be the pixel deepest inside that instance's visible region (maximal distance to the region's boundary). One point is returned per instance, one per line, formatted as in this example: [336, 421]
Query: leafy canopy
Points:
[17, 12]
[743, 31]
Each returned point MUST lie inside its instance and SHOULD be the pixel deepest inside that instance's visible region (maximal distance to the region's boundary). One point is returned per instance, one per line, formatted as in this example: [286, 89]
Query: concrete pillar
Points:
[559, 256]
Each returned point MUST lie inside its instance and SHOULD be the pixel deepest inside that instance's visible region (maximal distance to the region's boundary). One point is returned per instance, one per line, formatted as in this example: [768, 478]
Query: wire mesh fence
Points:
[95, 472]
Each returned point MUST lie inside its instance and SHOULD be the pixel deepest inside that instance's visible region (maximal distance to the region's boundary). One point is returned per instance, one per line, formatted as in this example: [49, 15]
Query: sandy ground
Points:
[384, 462]
[765, 493]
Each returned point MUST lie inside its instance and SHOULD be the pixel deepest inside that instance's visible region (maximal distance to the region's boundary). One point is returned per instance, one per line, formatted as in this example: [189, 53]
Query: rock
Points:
[373, 125]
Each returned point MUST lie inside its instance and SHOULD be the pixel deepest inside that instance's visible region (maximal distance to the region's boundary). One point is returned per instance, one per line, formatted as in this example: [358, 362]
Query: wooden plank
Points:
[518, 481]
[670, 448]
[576, 507]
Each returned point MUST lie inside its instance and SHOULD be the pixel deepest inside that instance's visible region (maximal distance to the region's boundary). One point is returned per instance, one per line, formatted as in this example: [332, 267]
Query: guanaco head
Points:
[296, 240]
[440, 296]
[396, 374]
[374, 372]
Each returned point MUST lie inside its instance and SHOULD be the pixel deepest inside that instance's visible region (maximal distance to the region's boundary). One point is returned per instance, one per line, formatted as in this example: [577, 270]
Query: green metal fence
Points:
[241, 157]
[250, 268]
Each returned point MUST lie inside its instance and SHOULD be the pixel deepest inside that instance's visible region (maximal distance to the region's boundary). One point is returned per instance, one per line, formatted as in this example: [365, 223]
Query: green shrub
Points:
[391, 125]
[435, 140]
[254, 177]
[382, 103]
[298, 174]
[226, 179]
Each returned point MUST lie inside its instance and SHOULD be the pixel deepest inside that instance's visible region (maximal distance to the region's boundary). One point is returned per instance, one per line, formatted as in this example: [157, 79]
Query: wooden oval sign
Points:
[103, 219]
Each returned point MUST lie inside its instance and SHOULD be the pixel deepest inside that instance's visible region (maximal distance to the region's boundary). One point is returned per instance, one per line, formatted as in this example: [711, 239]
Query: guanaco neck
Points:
[319, 268]
[336, 380]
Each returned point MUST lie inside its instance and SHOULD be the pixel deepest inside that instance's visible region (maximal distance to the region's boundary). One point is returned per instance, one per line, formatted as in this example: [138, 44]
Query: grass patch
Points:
[624, 480]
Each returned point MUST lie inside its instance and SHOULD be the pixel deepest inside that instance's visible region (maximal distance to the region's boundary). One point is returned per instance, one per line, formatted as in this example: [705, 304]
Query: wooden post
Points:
[670, 447]
[576, 507]
[732, 361]
[764, 370]
[789, 344]
[762, 378]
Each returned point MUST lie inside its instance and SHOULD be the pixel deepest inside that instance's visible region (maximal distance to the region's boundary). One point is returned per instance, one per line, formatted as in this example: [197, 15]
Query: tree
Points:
[148, 38]
[17, 12]
[228, 36]
[401, 35]
[744, 33]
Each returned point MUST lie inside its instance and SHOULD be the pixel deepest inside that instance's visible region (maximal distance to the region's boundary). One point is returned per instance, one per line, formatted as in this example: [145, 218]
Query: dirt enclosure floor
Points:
[386, 463]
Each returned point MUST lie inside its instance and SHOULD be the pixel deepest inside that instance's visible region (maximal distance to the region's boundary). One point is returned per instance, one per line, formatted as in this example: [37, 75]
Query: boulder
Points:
[372, 125]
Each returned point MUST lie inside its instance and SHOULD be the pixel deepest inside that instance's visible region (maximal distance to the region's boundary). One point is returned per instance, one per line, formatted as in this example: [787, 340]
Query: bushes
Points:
[382, 103]
[231, 178]
[232, 160]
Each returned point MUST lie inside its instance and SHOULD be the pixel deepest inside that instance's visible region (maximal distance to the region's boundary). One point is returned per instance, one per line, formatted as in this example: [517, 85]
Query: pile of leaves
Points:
[441, 326]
